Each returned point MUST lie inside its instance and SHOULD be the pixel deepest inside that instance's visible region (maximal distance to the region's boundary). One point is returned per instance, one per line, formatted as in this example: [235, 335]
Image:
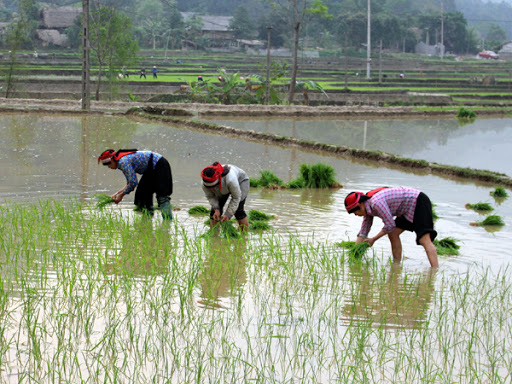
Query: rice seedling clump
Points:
[227, 230]
[267, 179]
[259, 225]
[198, 210]
[447, 246]
[318, 175]
[490, 220]
[355, 250]
[480, 206]
[102, 200]
[499, 192]
[466, 113]
[255, 215]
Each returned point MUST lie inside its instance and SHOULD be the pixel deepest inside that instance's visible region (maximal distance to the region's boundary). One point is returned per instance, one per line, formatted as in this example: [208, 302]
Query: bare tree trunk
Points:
[98, 83]
[296, 28]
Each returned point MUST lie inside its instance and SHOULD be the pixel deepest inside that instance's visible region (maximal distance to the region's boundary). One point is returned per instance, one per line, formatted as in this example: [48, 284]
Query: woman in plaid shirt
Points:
[413, 212]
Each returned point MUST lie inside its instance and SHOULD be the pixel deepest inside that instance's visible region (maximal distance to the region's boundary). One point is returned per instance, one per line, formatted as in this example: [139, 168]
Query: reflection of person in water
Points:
[143, 250]
[223, 272]
[394, 301]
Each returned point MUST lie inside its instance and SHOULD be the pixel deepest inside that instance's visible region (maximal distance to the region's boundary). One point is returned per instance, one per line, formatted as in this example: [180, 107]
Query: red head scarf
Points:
[106, 156]
[212, 175]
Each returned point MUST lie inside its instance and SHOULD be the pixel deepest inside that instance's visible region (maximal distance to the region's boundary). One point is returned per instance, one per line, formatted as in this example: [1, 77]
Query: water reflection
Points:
[481, 144]
[224, 271]
[143, 250]
[388, 298]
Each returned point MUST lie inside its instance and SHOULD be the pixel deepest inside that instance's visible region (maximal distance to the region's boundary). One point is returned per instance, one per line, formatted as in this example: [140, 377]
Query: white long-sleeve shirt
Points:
[236, 183]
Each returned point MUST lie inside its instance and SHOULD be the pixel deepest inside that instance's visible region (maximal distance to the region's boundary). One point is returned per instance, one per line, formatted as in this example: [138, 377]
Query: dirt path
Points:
[59, 105]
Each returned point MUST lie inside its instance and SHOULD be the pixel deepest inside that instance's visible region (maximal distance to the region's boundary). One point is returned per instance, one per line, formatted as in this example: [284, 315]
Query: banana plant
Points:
[306, 86]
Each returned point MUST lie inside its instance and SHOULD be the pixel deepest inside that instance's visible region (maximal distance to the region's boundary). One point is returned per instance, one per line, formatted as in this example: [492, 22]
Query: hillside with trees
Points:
[331, 25]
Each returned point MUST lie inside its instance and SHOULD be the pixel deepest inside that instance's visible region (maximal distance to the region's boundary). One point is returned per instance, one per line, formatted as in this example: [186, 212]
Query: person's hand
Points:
[370, 240]
[224, 218]
[216, 215]
[118, 197]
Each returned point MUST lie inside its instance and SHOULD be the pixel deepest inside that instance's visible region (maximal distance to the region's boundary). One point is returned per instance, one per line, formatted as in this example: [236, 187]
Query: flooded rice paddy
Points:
[108, 296]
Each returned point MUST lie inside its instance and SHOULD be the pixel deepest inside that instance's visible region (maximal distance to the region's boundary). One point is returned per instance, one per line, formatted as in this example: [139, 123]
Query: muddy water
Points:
[482, 144]
[55, 157]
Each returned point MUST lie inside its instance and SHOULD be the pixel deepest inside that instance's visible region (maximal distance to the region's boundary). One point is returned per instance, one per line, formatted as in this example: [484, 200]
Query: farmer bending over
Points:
[413, 212]
[156, 177]
[221, 182]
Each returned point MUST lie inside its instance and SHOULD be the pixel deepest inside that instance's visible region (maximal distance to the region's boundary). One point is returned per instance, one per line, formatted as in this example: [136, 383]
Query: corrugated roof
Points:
[62, 17]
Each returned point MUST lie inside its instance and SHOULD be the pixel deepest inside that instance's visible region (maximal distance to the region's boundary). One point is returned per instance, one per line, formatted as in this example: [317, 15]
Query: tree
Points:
[150, 20]
[111, 42]
[495, 37]
[241, 24]
[298, 10]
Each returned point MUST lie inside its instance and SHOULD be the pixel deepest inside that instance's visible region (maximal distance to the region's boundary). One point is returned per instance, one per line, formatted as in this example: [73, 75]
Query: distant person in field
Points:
[142, 73]
[221, 183]
[125, 72]
[413, 212]
[154, 73]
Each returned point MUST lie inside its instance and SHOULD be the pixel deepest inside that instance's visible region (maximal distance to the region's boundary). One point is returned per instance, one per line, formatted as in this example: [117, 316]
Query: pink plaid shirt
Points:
[389, 203]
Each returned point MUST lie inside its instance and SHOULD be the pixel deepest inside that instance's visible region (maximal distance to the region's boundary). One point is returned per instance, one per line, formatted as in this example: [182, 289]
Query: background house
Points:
[54, 22]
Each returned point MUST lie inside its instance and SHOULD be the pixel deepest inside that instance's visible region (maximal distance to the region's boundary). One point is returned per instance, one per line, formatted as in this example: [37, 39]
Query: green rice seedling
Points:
[254, 183]
[434, 214]
[267, 179]
[318, 175]
[494, 220]
[259, 225]
[355, 250]
[255, 215]
[198, 210]
[466, 113]
[296, 184]
[499, 192]
[102, 200]
[480, 206]
[447, 246]
[227, 230]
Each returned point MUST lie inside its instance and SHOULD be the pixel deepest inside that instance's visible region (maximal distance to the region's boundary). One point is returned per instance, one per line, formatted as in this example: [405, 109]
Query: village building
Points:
[54, 22]
[506, 51]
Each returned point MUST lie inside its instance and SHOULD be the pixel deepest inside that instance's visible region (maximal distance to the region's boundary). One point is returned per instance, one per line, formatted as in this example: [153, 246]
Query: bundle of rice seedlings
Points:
[198, 210]
[489, 220]
[255, 215]
[103, 200]
[259, 225]
[227, 230]
[318, 175]
[296, 184]
[499, 192]
[267, 179]
[480, 206]
[447, 246]
[355, 250]
[466, 113]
